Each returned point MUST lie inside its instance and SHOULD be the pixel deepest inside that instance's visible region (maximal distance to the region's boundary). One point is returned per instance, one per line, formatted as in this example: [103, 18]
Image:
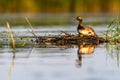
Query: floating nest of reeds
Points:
[71, 40]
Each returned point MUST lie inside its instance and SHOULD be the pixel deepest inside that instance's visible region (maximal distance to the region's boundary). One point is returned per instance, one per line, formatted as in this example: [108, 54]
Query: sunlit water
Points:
[57, 63]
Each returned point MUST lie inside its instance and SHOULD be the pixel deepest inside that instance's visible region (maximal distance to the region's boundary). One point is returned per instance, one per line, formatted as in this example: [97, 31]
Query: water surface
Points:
[57, 62]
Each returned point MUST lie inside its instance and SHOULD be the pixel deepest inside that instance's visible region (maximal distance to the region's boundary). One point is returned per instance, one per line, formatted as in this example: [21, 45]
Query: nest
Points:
[71, 39]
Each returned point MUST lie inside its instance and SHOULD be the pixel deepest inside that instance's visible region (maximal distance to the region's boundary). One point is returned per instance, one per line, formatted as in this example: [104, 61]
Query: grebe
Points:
[84, 30]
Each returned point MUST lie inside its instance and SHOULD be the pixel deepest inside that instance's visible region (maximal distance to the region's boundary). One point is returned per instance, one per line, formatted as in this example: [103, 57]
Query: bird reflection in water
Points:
[84, 49]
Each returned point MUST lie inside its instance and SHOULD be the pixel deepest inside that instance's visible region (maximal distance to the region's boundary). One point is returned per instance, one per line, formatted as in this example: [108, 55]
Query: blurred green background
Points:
[55, 12]
[59, 6]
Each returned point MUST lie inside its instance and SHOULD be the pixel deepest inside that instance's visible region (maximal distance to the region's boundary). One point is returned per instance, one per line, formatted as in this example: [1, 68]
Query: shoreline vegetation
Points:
[58, 6]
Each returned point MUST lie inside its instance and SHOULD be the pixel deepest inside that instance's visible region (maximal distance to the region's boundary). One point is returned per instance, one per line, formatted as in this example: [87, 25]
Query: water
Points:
[58, 62]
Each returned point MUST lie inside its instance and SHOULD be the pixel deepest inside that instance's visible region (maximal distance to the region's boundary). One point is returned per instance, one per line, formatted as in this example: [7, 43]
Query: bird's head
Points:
[79, 18]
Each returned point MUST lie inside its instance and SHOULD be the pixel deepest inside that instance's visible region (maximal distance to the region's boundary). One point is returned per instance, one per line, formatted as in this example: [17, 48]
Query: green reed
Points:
[113, 35]
[113, 31]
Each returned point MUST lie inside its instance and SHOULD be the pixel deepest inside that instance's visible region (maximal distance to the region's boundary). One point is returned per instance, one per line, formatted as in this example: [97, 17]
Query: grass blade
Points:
[11, 36]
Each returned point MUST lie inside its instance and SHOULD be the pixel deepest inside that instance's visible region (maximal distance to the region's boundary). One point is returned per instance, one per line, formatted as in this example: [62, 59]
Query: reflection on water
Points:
[86, 49]
[11, 68]
[113, 51]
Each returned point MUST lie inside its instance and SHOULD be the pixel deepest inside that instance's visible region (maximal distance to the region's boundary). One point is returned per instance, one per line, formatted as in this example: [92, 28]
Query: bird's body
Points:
[84, 30]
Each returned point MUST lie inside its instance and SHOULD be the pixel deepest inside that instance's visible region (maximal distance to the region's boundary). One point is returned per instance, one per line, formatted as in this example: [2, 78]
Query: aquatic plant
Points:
[113, 35]
[11, 36]
[113, 31]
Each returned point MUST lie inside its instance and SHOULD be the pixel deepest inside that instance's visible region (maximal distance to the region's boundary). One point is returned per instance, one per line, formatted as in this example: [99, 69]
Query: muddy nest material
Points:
[72, 39]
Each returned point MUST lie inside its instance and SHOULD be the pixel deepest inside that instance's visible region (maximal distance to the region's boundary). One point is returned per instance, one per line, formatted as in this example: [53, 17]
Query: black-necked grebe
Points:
[84, 30]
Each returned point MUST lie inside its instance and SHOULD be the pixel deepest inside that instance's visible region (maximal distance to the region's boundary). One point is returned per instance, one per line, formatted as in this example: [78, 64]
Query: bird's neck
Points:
[80, 22]
[80, 25]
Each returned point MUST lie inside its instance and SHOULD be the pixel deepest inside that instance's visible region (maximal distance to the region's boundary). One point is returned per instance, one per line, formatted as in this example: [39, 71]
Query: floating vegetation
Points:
[111, 36]
[113, 31]
[71, 40]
